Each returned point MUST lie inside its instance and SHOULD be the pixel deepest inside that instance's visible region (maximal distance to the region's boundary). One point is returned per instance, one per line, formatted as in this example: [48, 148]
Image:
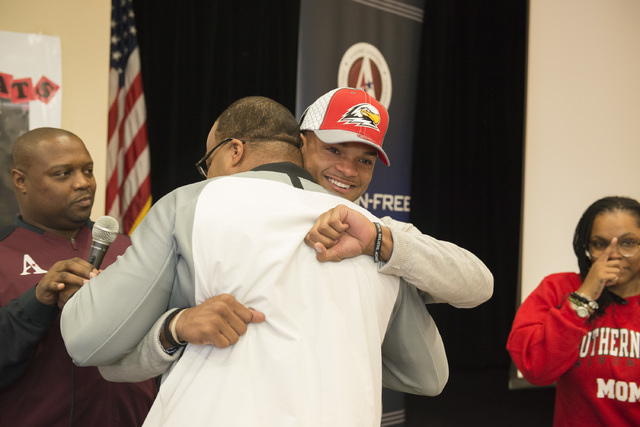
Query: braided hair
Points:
[582, 236]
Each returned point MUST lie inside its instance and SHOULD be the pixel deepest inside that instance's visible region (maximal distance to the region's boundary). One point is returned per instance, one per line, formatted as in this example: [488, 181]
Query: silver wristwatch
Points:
[581, 310]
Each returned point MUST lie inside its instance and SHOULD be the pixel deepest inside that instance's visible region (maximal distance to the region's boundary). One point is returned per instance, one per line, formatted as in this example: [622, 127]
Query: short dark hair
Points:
[25, 144]
[257, 119]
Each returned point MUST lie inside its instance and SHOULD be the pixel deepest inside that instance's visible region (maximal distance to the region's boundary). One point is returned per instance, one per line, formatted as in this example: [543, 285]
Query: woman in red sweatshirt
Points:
[582, 331]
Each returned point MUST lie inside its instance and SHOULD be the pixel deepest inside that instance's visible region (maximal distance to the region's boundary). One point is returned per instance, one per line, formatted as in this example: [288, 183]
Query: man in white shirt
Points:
[316, 358]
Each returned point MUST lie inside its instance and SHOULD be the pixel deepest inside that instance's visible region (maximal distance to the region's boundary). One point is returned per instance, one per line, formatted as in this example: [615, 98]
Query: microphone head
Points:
[105, 230]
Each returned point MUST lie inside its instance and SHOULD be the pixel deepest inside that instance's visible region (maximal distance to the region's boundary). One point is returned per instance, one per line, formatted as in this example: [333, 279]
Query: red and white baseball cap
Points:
[348, 115]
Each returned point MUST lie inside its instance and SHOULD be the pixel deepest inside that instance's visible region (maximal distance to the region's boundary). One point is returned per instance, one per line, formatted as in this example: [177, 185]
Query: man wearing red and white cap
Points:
[342, 134]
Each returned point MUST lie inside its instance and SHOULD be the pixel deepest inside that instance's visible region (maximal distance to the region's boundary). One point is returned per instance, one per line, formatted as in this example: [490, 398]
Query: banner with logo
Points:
[30, 97]
[372, 45]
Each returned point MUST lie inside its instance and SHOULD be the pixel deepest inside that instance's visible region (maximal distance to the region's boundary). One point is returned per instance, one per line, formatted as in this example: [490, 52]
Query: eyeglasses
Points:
[201, 164]
[625, 247]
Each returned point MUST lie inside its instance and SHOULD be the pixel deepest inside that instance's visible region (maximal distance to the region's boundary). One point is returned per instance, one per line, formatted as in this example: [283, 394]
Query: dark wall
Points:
[467, 169]
[467, 181]
[468, 147]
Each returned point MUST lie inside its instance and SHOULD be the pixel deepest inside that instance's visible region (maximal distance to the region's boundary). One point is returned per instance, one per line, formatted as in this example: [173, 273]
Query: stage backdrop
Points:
[30, 97]
[374, 46]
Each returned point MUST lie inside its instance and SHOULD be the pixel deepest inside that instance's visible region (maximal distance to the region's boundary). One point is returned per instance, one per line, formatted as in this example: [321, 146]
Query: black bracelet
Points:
[378, 244]
[585, 300]
[167, 332]
[579, 297]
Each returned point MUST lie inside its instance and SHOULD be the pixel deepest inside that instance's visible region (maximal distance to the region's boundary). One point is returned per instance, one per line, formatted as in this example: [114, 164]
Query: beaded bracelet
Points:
[585, 300]
[577, 302]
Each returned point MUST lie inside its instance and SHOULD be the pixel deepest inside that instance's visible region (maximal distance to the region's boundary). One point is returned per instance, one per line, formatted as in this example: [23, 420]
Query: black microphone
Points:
[105, 231]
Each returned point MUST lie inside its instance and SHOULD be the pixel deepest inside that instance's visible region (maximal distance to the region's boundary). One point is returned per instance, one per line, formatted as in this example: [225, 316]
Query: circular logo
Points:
[363, 67]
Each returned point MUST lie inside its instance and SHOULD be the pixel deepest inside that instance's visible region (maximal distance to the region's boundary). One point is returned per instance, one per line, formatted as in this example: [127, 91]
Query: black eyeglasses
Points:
[201, 164]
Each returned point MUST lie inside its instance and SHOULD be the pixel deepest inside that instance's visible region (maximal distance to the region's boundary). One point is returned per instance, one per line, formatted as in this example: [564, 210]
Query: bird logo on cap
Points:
[362, 115]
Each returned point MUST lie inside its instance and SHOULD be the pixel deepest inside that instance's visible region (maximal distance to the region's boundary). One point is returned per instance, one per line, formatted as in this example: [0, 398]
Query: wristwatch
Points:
[581, 310]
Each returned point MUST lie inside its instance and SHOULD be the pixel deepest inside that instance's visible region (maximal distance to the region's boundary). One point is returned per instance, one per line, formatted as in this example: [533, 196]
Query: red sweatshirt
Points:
[596, 364]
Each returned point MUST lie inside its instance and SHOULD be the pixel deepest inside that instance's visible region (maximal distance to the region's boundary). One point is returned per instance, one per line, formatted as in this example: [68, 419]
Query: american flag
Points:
[128, 165]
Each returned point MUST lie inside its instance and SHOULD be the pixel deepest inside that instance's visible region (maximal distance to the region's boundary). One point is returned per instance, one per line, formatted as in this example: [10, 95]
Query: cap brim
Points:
[336, 136]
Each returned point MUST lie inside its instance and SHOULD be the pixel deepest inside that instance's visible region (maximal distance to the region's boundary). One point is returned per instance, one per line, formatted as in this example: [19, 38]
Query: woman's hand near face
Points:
[603, 272]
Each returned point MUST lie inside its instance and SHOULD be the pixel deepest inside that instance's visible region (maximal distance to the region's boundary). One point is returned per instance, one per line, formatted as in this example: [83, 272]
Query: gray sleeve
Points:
[147, 360]
[413, 355]
[442, 271]
[112, 313]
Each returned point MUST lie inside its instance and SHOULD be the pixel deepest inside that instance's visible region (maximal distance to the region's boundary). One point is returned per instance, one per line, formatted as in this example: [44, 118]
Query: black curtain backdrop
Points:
[199, 57]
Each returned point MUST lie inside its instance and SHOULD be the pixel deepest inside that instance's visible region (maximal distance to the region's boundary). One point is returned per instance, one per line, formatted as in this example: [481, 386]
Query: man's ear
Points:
[304, 140]
[237, 149]
[18, 178]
